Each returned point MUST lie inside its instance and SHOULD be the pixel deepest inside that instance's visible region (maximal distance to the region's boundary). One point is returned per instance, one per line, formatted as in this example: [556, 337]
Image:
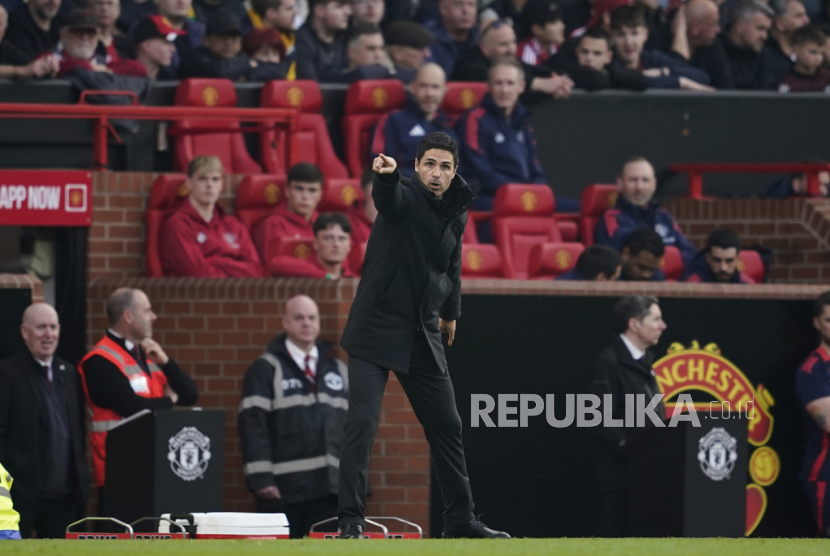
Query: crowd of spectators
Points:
[700, 45]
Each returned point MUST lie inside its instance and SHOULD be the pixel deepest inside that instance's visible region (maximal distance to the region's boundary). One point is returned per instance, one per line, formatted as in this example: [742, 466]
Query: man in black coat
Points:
[42, 429]
[622, 368]
[410, 293]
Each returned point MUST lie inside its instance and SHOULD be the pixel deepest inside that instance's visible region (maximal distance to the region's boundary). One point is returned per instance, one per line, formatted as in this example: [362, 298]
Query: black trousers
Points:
[432, 397]
[614, 521]
[301, 515]
[49, 518]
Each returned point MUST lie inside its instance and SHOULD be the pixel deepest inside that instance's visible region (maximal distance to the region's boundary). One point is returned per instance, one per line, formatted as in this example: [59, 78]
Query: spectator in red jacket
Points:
[331, 247]
[199, 238]
[362, 213]
[296, 216]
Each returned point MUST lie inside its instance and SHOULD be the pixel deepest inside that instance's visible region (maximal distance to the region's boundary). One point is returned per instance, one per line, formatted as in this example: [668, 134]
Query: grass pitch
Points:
[523, 547]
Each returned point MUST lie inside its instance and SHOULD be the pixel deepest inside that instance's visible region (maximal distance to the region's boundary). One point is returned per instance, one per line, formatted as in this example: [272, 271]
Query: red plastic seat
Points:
[366, 102]
[549, 260]
[227, 144]
[480, 261]
[339, 195]
[257, 196]
[752, 265]
[356, 256]
[522, 218]
[299, 248]
[460, 97]
[311, 138]
[672, 264]
[470, 232]
[167, 191]
[596, 199]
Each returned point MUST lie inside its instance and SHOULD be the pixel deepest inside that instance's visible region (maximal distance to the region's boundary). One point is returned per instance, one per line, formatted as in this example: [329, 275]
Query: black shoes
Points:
[474, 529]
[352, 531]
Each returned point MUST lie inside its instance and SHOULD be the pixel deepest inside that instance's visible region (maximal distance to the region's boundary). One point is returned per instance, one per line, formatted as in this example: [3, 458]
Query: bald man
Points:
[126, 372]
[699, 44]
[42, 429]
[294, 402]
[398, 133]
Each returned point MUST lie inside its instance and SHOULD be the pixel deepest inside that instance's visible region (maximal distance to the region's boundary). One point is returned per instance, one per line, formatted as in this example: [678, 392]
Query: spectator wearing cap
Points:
[456, 32]
[222, 55]
[547, 31]
[78, 49]
[365, 55]
[278, 15]
[398, 133]
[265, 48]
[13, 63]
[407, 44]
[155, 45]
[367, 12]
[718, 263]
[204, 9]
[33, 28]
[112, 43]
[321, 41]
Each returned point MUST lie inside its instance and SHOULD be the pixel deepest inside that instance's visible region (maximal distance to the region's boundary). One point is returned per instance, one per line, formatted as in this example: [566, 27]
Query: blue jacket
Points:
[618, 223]
[496, 150]
[678, 68]
[657, 276]
[701, 272]
[572, 274]
[446, 51]
[398, 133]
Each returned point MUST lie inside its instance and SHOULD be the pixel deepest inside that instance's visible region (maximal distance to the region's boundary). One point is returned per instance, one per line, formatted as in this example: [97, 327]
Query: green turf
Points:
[542, 547]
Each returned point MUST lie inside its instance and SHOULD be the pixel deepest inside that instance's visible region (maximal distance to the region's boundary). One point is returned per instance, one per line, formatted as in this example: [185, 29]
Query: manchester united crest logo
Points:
[189, 454]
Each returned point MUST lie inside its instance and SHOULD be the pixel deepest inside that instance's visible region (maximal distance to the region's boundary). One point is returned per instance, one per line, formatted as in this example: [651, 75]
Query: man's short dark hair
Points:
[262, 6]
[121, 300]
[438, 140]
[627, 16]
[367, 178]
[596, 260]
[749, 8]
[314, 3]
[360, 29]
[325, 220]
[644, 239]
[305, 172]
[809, 34]
[596, 32]
[632, 307]
[820, 303]
[723, 238]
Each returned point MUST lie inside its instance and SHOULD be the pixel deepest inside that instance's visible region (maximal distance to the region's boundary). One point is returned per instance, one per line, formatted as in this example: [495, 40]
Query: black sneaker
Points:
[474, 529]
[352, 531]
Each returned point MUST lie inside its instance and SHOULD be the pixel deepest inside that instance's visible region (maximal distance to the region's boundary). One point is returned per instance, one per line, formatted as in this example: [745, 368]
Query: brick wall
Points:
[796, 230]
[23, 282]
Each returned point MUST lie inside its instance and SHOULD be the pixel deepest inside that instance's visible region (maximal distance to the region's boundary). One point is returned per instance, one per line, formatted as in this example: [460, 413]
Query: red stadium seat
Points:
[480, 261]
[752, 265]
[311, 138]
[672, 264]
[549, 260]
[257, 196]
[356, 256]
[470, 236]
[167, 191]
[568, 225]
[460, 97]
[522, 218]
[228, 145]
[339, 195]
[366, 102]
[596, 199]
[299, 248]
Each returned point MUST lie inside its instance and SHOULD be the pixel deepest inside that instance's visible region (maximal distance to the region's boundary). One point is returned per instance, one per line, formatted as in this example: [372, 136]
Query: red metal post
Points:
[695, 185]
[813, 185]
[99, 143]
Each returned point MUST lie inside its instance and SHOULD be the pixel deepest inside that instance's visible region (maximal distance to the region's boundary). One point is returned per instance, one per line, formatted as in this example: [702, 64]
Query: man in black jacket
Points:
[42, 429]
[410, 293]
[623, 368]
[291, 435]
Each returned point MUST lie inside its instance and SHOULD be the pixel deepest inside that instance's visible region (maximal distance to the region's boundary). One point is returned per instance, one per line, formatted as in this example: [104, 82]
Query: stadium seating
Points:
[752, 265]
[522, 218]
[227, 142]
[460, 97]
[299, 248]
[596, 199]
[339, 195]
[257, 196]
[672, 264]
[165, 193]
[311, 139]
[480, 261]
[356, 256]
[549, 260]
[366, 103]
[470, 231]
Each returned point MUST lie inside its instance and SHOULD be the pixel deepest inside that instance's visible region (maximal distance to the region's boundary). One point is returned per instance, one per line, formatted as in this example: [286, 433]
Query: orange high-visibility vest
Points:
[104, 419]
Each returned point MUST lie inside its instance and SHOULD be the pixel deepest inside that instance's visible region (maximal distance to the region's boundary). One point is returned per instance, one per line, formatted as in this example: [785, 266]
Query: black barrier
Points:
[13, 303]
[540, 481]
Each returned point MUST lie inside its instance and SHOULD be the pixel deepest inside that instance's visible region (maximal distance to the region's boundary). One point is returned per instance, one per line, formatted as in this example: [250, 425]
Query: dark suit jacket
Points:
[24, 432]
[412, 271]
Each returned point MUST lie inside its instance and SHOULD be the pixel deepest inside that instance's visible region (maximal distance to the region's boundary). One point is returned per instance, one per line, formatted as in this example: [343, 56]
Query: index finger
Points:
[384, 157]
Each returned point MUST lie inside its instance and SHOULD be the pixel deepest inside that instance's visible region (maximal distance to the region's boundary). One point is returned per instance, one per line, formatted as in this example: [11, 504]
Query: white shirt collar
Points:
[128, 344]
[636, 352]
[298, 355]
